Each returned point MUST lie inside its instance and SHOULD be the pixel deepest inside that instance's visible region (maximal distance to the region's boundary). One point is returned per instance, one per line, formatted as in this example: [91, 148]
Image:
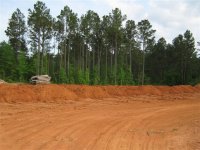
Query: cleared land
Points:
[73, 117]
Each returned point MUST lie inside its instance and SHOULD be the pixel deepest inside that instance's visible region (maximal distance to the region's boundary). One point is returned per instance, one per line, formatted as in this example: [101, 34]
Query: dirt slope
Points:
[45, 93]
[70, 117]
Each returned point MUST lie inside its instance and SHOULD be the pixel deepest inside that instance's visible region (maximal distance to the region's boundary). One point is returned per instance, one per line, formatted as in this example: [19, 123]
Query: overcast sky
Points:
[168, 17]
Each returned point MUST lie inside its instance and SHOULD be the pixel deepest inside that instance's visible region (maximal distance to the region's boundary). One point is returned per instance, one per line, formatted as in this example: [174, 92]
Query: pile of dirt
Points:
[85, 91]
[28, 93]
[53, 92]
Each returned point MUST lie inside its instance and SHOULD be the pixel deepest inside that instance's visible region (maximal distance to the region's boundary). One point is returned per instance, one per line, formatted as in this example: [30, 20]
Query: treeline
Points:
[94, 50]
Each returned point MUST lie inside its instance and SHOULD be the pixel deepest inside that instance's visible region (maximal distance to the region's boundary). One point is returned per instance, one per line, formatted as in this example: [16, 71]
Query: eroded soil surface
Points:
[135, 121]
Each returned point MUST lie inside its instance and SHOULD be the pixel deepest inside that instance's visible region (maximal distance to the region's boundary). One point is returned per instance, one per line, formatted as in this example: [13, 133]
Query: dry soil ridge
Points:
[53, 92]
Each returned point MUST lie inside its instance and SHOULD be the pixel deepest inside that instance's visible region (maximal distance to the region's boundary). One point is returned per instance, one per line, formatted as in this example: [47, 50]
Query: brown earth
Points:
[77, 117]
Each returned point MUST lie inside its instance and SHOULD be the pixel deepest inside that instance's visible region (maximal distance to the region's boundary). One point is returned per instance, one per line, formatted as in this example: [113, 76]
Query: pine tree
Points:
[16, 31]
[40, 32]
[146, 35]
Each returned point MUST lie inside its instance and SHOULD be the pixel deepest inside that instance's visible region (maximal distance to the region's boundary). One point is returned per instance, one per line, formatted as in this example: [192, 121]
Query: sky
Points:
[169, 17]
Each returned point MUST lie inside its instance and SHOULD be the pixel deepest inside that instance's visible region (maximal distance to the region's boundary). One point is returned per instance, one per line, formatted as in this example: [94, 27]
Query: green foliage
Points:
[30, 67]
[121, 76]
[95, 79]
[7, 62]
[15, 31]
[40, 28]
[71, 78]
[94, 50]
[62, 76]
[129, 78]
[22, 67]
[81, 77]
[146, 36]
[87, 76]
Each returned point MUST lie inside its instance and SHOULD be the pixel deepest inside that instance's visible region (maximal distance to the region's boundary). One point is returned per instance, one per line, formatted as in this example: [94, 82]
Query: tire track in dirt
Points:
[66, 132]
[158, 133]
[83, 136]
[55, 136]
[101, 132]
[99, 125]
[32, 128]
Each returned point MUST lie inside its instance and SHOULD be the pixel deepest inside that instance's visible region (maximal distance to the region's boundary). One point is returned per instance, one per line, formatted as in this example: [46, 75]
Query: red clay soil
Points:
[80, 117]
[53, 92]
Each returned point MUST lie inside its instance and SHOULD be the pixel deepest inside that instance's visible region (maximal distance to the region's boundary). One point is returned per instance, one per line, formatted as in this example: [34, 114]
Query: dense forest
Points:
[94, 50]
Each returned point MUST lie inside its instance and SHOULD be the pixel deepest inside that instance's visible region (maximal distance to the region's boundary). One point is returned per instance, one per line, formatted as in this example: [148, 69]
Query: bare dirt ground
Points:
[58, 117]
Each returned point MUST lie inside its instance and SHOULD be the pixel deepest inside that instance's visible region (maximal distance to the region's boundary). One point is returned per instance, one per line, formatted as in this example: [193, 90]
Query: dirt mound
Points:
[53, 92]
[28, 93]
[85, 91]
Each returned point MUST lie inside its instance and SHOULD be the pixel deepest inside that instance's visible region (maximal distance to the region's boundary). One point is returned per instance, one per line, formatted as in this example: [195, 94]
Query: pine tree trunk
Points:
[130, 63]
[61, 57]
[115, 59]
[47, 63]
[83, 57]
[98, 60]
[86, 59]
[106, 64]
[111, 62]
[143, 63]
[65, 56]
[42, 58]
[93, 60]
[68, 60]
[182, 68]
[79, 60]
[38, 61]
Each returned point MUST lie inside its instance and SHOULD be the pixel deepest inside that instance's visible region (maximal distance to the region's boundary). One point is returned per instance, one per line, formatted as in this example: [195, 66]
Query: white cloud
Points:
[131, 8]
[3, 26]
[168, 17]
[175, 17]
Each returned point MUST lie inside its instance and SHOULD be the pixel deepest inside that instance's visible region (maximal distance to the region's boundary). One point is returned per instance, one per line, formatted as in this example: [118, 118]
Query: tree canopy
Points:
[94, 50]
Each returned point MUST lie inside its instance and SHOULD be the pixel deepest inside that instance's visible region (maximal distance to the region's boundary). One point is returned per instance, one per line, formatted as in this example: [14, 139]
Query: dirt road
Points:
[140, 122]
